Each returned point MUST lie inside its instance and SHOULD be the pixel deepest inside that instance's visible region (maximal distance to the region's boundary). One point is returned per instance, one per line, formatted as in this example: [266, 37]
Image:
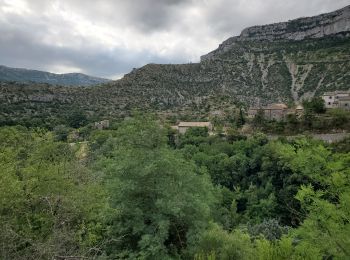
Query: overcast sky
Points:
[108, 38]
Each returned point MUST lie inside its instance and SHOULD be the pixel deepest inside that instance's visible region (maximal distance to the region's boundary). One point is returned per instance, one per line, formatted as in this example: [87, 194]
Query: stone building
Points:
[332, 99]
[271, 112]
[182, 127]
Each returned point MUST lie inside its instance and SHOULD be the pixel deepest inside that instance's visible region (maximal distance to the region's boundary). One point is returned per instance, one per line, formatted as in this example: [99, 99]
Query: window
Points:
[329, 103]
[346, 104]
[330, 97]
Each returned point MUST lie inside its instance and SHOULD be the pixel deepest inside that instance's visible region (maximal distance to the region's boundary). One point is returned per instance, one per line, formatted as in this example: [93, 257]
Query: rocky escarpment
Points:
[320, 26]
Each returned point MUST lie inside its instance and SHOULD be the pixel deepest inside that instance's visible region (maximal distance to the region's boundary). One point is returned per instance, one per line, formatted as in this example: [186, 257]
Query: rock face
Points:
[300, 29]
[295, 30]
[27, 76]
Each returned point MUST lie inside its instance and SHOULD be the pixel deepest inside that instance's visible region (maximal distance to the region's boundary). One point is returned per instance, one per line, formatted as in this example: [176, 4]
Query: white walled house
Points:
[332, 99]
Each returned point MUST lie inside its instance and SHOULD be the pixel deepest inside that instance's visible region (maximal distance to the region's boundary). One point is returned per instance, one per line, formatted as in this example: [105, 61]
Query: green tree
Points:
[315, 105]
[259, 119]
[220, 244]
[241, 118]
[327, 226]
[76, 118]
[61, 132]
[162, 200]
[50, 205]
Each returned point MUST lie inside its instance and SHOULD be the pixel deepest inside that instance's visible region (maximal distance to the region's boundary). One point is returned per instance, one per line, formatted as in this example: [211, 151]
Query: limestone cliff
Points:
[296, 30]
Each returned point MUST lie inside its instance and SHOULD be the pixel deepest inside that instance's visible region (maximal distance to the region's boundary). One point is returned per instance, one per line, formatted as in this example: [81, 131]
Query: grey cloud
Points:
[22, 47]
[23, 44]
[144, 15]
[152, 14]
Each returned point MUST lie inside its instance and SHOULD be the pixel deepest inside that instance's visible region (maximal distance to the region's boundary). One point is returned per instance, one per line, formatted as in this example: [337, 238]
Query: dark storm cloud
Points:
[109, 37]
[152, 15]
[144, 15]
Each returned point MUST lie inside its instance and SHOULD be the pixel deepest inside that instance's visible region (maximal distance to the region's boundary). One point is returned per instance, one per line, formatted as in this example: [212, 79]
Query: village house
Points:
[337, 99]
[271, 112]
[104, 124]
[182, 127]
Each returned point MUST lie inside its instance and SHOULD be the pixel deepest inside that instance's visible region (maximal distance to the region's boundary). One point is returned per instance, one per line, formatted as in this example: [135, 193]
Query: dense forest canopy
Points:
[137, 191]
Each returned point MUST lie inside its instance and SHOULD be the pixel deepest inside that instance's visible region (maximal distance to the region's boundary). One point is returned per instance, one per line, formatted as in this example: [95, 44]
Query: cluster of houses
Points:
[336, 99]
[278, 112]
[272, 112]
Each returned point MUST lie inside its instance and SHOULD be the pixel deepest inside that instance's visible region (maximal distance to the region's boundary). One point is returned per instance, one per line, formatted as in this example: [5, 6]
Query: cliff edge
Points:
[295, 30]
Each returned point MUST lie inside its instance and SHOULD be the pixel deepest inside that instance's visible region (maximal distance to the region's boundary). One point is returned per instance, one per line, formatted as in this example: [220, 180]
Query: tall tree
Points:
[162, 200]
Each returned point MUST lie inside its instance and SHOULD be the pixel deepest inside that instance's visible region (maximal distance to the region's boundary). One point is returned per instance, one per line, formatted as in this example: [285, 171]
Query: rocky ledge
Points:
[295, 30]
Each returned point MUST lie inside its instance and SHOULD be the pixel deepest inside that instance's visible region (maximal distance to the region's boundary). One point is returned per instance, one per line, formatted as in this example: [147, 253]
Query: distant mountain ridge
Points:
[35, 76]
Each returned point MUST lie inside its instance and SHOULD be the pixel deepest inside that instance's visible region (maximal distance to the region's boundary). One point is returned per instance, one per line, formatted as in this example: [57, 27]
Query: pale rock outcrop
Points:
[303, 28]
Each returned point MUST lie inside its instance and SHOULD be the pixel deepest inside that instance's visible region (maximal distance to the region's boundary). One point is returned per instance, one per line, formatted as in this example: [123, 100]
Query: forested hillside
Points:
[251, 73]
[135, 192]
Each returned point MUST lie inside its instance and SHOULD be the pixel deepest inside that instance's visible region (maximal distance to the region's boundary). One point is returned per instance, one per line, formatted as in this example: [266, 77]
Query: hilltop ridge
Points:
[37, 76]
[296, 30]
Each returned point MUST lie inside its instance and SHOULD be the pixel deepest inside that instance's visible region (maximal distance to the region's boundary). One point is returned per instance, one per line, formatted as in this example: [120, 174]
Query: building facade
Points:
[271, 112]
[182, 127]
[336, 99]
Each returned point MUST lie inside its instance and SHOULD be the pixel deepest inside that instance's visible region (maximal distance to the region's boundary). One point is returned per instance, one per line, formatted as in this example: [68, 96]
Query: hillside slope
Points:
[263, 65]
[36, 76]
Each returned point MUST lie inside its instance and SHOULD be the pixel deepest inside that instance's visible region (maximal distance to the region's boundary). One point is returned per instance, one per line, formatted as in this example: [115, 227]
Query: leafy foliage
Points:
[315, 105]
[138, 192]
[162, 200]
[50, 204]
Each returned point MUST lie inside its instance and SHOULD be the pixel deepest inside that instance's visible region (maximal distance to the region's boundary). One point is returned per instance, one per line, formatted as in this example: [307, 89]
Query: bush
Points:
[61, 133]
[315, 105]
[76, 119]
[270, 229]
[223, 245]
[339, 117]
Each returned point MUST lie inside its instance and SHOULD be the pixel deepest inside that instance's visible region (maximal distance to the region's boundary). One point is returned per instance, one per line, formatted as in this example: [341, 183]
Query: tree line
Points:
[140, 192]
